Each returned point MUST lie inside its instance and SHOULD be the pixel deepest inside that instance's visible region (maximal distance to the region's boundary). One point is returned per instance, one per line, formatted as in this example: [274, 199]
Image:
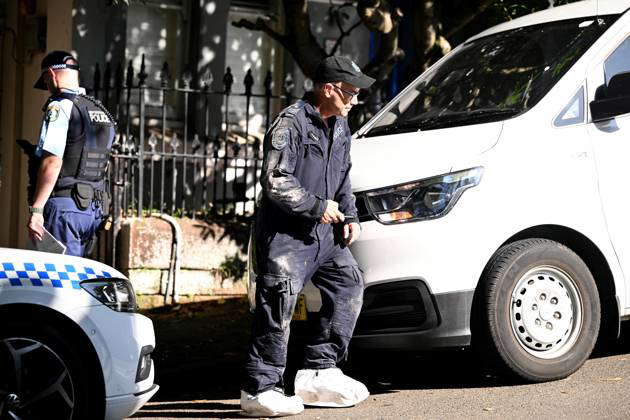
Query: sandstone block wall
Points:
[213, 258]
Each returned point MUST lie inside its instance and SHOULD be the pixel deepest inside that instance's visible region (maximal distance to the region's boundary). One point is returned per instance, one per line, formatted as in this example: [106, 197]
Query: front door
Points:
[611, 144]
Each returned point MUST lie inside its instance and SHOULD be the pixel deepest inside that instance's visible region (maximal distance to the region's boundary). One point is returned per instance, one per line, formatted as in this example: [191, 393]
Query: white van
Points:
[71, 343]
[494, 198]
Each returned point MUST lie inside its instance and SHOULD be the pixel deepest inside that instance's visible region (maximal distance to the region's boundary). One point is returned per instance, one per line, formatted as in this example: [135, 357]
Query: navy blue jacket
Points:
[306, 162]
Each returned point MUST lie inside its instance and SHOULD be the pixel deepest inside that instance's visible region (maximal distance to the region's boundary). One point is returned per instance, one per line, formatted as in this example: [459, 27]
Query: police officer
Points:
[305, 222]
[74, 146]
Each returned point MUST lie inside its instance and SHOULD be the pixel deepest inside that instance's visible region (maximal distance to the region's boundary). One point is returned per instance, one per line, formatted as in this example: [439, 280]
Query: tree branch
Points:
[468, 17]
[261, 25]
[342, 36]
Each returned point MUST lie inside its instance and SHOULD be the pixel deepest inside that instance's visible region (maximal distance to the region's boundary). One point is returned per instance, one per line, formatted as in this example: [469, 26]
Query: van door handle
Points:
[581, 155]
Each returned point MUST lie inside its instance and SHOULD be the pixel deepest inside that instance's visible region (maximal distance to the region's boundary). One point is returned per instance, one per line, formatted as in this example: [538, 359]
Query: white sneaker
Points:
[329, 388]
[270, 403]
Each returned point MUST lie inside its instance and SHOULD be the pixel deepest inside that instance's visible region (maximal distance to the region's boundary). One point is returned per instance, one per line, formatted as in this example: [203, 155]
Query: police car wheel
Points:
[538, 311]
[42, 375]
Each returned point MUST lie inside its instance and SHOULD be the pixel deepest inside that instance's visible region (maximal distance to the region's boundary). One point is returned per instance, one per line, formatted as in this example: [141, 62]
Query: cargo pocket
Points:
[271, 335]
[275, 293]
[347, 265]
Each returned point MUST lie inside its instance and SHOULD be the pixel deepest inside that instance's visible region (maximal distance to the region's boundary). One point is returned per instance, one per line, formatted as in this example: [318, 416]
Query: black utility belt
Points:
[62, 193]
[82, 194]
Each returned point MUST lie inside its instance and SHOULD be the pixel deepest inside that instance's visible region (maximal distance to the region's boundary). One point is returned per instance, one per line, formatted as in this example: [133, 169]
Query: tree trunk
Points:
[304, 48]
[381, 17]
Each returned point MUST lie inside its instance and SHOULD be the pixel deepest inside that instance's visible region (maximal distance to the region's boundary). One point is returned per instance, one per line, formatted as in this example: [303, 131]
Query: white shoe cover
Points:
[329, 388]
[270, 403]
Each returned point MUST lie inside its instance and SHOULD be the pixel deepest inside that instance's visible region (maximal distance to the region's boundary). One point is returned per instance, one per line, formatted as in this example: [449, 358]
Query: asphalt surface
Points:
[402, 386]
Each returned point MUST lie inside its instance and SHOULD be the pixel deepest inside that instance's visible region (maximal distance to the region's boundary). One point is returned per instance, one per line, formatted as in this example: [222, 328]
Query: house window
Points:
[159, 30]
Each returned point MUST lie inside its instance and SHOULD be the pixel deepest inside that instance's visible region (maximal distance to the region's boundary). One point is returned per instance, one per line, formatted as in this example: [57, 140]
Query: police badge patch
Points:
[52, 113]
[280, 138]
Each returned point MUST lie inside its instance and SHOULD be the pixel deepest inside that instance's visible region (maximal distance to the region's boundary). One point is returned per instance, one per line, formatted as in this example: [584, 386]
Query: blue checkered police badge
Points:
[280, 138]
[47, 274]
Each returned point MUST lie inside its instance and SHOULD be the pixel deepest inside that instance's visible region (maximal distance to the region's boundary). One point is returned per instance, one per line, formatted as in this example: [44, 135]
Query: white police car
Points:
[71, 344]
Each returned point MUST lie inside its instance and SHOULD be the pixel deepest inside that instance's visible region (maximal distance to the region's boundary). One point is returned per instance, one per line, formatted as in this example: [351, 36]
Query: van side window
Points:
[618, 61]
[573, 113]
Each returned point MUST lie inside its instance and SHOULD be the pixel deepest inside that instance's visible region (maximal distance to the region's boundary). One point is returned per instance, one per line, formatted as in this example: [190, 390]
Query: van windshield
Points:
[491, 78]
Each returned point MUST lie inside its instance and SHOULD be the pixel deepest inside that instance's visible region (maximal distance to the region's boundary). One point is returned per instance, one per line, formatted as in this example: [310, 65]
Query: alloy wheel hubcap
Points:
[37, 381]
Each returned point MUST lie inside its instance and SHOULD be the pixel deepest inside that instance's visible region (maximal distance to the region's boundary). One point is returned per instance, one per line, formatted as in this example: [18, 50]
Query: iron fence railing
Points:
[179, 149]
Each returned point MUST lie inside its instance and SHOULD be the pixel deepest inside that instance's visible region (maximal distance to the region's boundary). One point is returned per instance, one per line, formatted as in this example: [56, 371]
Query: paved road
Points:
[443, 386]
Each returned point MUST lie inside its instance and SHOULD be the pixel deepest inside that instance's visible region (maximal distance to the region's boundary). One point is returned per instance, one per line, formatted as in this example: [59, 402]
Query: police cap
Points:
[55, 60]
[341, 69]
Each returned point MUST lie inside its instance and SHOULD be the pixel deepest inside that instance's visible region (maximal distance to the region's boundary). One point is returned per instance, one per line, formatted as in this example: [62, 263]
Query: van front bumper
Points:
[402, 314]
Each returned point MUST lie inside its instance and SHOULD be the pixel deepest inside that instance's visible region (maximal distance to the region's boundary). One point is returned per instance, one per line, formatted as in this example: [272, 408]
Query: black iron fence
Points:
[184, 150]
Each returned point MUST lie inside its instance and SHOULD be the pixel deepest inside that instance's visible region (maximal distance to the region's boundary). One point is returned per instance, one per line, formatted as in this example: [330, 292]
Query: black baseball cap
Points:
[55, 60]
[341, 69]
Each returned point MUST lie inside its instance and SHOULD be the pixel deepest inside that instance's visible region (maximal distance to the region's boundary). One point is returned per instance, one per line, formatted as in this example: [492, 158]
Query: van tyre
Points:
[45, 372]
[538, 312]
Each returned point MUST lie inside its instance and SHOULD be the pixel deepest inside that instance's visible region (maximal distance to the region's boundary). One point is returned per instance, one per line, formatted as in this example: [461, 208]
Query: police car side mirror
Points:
[612, 100]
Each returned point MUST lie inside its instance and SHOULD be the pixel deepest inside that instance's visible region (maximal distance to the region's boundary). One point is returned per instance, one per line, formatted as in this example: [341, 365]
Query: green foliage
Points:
[232, 268]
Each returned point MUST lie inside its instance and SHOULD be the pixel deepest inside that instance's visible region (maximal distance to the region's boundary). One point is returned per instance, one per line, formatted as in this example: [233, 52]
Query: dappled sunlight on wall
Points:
[156, 31]
[207, 55]
[210, 7]
[248, 50]
[98, 36]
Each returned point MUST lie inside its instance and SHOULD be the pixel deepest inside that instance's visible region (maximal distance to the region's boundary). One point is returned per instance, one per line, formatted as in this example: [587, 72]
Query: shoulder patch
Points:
[292, 110]
[280, 138]
[52, 113]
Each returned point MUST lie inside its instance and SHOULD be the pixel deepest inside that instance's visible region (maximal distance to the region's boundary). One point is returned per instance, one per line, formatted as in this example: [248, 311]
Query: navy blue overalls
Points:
[79, 130]
[306, 162]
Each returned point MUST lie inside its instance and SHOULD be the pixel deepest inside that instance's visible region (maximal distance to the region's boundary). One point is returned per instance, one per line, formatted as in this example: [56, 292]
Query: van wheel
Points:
[540, 311]
[43, 373]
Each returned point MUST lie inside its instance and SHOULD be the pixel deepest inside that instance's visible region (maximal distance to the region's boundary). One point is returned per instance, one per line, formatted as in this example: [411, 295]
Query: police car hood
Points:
[24, 265]
[397, 158]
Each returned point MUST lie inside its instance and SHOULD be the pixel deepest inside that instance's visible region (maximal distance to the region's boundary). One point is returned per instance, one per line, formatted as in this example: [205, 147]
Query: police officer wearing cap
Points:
[75, 140]
[305, 221]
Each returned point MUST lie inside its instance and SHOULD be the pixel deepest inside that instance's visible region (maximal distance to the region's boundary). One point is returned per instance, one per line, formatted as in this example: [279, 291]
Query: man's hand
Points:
[332, 213]
[351, 232]
[36, 227]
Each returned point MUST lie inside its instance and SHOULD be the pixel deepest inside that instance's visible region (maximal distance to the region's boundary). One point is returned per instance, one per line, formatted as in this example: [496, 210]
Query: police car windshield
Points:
[492, 78]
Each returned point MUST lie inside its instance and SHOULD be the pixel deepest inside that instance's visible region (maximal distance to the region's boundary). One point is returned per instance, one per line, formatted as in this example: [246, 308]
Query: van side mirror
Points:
[612, 100]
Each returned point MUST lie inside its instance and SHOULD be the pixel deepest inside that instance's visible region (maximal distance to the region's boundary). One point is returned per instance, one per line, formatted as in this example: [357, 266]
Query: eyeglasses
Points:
[350, 93]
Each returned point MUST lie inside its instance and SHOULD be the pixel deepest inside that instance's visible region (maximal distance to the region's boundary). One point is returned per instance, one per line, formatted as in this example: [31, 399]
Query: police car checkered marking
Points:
[48, 274]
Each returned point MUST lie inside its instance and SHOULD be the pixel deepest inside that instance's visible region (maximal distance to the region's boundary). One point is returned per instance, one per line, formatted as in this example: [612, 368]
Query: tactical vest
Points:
[86, 156]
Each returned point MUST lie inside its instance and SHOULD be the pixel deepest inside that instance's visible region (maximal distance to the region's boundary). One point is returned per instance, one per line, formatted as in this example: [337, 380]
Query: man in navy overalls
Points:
[306, 198]
[74, 147]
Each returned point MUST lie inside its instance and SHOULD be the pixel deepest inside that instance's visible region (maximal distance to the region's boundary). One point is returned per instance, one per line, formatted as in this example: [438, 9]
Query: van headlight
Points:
[116, 294]
[421, 200]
